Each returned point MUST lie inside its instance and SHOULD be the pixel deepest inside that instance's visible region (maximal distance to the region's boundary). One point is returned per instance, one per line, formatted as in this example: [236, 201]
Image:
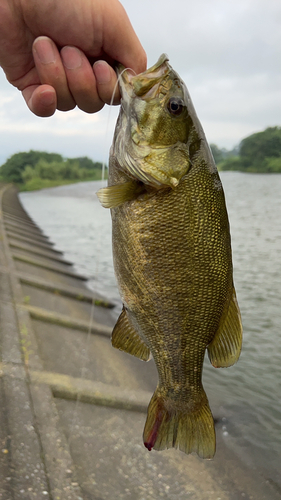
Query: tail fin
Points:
[170, 424]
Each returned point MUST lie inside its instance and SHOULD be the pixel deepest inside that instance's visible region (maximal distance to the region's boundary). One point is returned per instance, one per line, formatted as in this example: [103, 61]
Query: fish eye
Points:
[175, 106]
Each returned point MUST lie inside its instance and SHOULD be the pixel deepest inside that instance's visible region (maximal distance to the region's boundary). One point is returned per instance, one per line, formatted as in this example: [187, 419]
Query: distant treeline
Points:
[260, 152]
[37, 169]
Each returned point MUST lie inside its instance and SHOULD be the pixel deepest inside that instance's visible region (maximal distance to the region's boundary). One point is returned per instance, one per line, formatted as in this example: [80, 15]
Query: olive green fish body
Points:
[172, 259]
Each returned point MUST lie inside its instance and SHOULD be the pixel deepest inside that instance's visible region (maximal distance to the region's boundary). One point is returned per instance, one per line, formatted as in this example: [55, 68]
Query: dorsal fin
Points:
[225, 348]
[125, 338]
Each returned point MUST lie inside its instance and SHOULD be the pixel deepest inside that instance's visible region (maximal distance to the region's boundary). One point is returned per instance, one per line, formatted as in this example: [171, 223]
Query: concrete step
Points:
[80, 294]
[47, 265]
[42, 253]
[66, 321]
[48, 245]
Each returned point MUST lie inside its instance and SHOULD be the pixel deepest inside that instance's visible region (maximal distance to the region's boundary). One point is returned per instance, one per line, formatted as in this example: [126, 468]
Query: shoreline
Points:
[48, 183]
[228, 468]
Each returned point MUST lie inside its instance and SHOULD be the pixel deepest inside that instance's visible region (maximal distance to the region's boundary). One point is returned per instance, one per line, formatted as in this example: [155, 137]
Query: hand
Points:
[47, 50]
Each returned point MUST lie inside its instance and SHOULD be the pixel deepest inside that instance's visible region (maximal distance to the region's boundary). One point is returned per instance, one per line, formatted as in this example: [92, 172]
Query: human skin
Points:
[60, 53]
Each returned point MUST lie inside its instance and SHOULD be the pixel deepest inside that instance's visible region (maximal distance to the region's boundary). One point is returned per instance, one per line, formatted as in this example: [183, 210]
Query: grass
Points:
[37, 183]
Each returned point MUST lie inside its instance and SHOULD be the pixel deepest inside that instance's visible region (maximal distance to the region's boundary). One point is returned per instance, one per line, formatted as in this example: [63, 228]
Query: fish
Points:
[172, 254]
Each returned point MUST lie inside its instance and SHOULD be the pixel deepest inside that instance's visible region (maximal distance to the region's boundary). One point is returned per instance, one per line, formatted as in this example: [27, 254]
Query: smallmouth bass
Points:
[172, 254]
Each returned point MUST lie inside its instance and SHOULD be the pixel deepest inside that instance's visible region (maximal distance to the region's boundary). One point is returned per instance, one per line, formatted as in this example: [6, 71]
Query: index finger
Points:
[121, 42]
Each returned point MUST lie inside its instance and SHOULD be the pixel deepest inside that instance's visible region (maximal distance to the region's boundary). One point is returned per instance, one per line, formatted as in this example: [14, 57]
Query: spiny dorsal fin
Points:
[125, 338]
[113, 196]
[225, 348]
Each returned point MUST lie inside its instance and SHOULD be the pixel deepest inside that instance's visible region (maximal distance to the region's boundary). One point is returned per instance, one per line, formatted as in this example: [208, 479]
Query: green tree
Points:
[72, 170]
[47, 170]
[87, 163]
[217, 153]
[11, 170]
[28, 173]
[223, 153]
[38, 169]
[232, 163]
[255, 149]
[273, 165]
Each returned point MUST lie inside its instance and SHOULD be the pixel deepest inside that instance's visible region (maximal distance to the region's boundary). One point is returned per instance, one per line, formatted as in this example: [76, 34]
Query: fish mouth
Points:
[156, 163]
[144, 85]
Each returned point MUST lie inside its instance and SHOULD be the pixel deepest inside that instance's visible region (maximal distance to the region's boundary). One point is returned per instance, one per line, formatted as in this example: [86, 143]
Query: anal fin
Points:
[125, 338]
[225, 348]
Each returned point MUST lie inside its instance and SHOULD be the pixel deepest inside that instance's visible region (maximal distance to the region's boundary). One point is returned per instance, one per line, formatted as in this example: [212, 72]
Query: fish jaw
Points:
[150, 142]
[138, 85]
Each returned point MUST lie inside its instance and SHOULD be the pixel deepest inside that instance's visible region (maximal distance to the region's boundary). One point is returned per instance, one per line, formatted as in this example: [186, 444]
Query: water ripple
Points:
[250, 391]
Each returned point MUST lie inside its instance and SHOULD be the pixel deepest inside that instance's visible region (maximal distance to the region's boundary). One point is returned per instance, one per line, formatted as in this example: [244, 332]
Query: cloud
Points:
[72, 134]
[204, 36]
[233, 108]
[227, 52]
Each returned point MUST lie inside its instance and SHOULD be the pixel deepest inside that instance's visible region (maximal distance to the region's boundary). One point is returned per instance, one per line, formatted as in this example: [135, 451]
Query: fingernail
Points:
[71, 57]
[48, 98]
[102, 72]
[44, 50]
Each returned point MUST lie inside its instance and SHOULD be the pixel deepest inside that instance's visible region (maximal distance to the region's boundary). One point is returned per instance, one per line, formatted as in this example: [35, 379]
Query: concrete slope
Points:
[72, 408]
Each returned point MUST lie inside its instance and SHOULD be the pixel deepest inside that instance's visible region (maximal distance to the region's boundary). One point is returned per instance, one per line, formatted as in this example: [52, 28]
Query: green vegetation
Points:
[38, 169]
[260, 153]
[223, 154]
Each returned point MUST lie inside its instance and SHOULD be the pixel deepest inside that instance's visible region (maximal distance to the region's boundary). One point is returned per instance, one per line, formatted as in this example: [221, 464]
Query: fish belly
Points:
[172, 261]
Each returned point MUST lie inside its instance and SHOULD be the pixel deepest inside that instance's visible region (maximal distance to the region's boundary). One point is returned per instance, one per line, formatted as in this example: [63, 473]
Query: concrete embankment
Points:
[72, 408]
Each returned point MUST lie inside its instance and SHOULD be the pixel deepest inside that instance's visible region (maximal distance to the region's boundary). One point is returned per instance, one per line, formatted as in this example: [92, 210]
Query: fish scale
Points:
[172, 255]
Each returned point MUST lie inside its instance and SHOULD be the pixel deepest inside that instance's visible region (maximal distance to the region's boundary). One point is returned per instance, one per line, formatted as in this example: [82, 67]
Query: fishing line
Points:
[96, 274]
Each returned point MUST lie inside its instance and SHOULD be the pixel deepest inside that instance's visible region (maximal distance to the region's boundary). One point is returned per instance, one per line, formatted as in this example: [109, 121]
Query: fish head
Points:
[151, 142]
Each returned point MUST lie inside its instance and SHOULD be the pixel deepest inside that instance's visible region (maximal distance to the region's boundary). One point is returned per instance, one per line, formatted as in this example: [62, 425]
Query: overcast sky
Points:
[228, 52]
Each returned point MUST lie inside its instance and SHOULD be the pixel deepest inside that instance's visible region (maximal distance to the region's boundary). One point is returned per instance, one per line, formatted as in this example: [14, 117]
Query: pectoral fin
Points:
[125, 338]
[113, 196]
[225, 348]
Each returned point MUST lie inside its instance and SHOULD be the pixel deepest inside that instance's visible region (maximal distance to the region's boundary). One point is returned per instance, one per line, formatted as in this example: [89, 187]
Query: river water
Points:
[247, 397]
